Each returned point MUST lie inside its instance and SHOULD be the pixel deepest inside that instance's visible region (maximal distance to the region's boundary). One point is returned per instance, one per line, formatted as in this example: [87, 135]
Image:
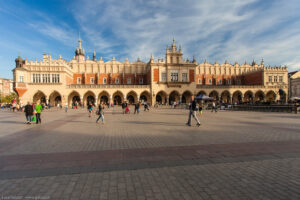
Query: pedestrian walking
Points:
[100, 112]
[214, 107]
[137, 108]
[192, 112]
[28, 113]
[66, 107]
[90, 109]
[38, 110]
[124, 105]
[146, 106]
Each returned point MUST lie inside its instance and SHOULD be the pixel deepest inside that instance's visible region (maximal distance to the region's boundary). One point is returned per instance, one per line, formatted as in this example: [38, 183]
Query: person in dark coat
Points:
[28, 109]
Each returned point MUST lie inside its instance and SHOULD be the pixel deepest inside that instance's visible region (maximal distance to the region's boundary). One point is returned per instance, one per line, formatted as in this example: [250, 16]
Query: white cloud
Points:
[237, 30]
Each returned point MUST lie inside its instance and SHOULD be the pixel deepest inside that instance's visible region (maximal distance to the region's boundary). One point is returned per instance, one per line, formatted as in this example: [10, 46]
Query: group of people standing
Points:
[33, 113]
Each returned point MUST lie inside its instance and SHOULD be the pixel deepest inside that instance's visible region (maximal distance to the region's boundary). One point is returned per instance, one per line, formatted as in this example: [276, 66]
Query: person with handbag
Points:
[100, 112]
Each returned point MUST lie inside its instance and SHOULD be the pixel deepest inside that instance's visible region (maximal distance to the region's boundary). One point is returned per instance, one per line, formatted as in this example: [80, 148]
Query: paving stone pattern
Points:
[153, 155]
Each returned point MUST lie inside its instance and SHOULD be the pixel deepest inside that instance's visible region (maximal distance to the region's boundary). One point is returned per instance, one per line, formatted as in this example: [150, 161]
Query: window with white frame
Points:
[184, 77]
[78, 80]
[174, 76]
[141, 81]
[44, 78]
[117, 81]
[270, 78]
[34, 78]
[38, 78]
[128, 80]
[200, 81]
[239, 82]
[229, 81]
[163, 77]
[55, 79]
[209, 81]
[92, 81]
[275, 78]
[104, 80]
[220, 81]
[280, 79]
[48, 78]
[21, 79]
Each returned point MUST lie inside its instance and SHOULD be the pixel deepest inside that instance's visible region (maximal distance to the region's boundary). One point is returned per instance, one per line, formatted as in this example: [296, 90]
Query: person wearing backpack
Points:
[192, 112]
[100, 112]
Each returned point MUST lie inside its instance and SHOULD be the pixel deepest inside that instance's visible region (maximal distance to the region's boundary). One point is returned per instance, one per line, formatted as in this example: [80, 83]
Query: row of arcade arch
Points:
[225, 96]
[89, 97]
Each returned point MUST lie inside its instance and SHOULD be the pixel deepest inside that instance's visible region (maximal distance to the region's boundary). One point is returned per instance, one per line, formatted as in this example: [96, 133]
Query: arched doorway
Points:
[248, 97]
[118, 97]
[215, 95]
[39, 97]
[225, 97]
[259, 96]
[55, 98]
[89, 98]
[174, 97]
[74, 99]
[186, 97]
[237, 97]
[161, 97]
[145, 97]
[132, 97]
[271, 96]
[104, 97]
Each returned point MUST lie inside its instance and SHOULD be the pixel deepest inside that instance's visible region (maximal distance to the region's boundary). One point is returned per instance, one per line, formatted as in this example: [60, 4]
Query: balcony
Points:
[106, 86]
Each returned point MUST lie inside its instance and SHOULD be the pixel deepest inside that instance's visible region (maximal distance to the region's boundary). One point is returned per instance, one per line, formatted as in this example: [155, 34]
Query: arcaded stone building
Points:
[163, 80]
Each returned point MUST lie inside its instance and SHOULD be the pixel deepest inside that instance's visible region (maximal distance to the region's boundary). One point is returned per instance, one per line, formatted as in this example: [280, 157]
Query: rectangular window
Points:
[38, 78]
[229, 81]
[48, 78]
[239, 82]
[92, 80]
[174, 77]
[163, 77]
[184, 77]
[209, 81]
[275, 78]
[129, 81]
[280, 79]
[116, 81]
[33, 78]
[44, 78]
[220, 81]
[270, 78]
[58, 78]
[199, 81]
[104, 81]
[78, 80]
[141, 80]
[21, 79]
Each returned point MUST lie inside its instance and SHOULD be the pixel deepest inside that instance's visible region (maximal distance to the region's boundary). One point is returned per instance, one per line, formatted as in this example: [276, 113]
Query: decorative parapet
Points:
[107, 86]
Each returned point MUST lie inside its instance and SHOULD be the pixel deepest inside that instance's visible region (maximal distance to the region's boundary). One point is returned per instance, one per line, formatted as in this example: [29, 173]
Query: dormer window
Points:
[117, 81]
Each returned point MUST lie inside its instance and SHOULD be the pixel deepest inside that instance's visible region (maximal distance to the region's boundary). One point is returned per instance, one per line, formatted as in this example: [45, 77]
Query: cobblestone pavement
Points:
[153, 155]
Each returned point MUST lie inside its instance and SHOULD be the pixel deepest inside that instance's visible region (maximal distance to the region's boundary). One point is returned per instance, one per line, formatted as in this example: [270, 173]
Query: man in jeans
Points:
[193, 109]
[28, 112]
[38, 109]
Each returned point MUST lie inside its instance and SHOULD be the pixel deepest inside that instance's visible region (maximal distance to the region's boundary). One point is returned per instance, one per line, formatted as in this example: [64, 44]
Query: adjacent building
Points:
[167, 80]
[294, 83]
[6, 86]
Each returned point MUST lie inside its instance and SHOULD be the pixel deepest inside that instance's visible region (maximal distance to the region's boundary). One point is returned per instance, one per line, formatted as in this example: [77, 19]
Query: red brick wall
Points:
[155, 75]
[192, 75]
[101, 76]
[88, 78]
[255, 78]
[126, 76]
[75, 76]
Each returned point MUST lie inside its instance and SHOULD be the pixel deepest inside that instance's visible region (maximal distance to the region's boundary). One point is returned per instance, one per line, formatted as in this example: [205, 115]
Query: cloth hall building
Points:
[167, 80]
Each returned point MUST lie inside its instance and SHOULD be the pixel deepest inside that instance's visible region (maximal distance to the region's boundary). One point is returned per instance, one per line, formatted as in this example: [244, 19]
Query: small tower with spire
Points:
[94, 56]
[79, 52]
[173, 55]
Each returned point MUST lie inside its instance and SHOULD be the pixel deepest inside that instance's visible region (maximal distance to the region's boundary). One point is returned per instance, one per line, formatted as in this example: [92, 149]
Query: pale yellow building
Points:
[165, 80]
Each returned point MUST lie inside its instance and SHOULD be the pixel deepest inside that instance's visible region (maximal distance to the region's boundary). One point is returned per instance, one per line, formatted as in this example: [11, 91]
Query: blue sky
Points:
[215, 30]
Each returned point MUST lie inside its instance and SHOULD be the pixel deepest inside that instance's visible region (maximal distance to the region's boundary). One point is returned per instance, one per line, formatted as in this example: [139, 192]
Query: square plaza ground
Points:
[153, 155]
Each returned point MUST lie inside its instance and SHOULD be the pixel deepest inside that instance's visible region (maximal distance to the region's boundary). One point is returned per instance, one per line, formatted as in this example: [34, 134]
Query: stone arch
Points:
[237, 97]
[259, 96]
[74, 99]
[161, 97]
[186, 96]
[40, 97]
[225, 97]
[55, 98]
[248, 96]
[89, 98]
[271, 96]
[118, 97]
[214, 94]
[104, 97]
[174, 97]
[145, 96]
[201, 92]
[132, 97]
